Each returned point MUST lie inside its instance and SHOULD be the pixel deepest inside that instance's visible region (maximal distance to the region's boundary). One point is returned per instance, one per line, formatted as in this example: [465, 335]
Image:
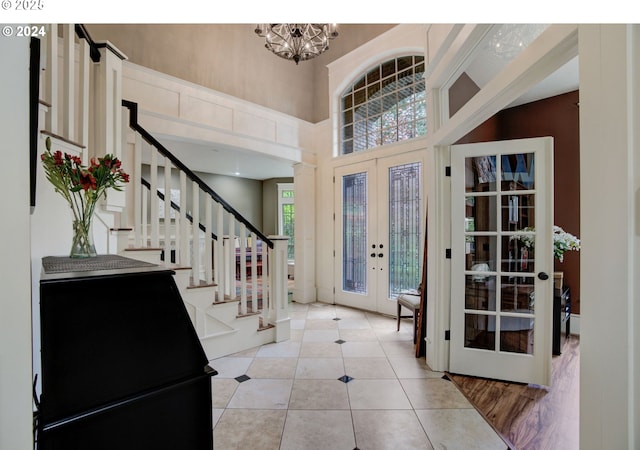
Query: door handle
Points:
[543, 276]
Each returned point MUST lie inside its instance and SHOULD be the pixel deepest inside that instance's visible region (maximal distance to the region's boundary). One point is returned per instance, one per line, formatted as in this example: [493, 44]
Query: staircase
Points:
[232, 278]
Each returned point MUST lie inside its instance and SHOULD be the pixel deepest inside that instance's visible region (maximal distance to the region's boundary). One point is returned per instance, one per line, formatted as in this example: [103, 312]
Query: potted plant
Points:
[562, 243]
[82, 187]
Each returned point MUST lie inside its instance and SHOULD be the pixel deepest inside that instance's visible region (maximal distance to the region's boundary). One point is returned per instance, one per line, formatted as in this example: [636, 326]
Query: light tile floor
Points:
[366, 391]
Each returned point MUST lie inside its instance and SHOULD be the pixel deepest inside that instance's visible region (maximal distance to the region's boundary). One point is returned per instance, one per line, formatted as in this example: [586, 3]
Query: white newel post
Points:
[278, 287]
[107, 129]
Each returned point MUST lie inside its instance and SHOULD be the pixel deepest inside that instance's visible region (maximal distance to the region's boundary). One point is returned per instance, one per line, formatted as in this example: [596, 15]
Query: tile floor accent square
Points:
[242, 378]
[345, 378]
[340, 341]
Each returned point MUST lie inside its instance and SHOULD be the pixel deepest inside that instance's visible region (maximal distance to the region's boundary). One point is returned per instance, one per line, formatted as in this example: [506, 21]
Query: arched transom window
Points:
[385, 105]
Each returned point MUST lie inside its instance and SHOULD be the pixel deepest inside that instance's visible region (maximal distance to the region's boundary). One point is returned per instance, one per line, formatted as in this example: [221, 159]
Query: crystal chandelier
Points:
[297, 41]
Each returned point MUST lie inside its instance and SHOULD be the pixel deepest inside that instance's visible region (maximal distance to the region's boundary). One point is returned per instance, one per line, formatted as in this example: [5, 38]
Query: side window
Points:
[286, 215]
[386, 104]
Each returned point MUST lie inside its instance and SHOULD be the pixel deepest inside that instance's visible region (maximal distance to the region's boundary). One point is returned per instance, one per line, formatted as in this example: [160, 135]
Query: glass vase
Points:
[82, 245]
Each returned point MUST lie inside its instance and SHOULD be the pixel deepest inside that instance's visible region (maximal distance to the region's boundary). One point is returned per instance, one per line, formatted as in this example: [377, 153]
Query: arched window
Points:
[387, 104]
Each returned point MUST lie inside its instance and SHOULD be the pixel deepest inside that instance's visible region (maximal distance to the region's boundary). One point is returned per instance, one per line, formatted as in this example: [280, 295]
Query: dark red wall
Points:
[557, 117]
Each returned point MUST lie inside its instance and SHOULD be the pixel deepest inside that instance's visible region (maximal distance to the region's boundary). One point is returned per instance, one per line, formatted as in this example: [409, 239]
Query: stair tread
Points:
[202, 284]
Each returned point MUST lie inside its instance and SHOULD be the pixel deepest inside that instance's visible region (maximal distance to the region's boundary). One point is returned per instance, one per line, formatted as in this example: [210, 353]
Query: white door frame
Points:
[557, 45]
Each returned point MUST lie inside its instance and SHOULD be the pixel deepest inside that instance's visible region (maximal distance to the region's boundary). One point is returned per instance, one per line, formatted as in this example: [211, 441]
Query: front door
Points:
[502, 260]
[379, 231]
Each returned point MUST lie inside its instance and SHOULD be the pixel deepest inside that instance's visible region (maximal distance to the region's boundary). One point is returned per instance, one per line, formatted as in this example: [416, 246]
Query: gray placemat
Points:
[61, 264]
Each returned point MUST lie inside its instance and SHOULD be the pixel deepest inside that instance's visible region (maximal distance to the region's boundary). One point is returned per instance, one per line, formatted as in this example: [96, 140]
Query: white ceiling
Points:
[226, 160]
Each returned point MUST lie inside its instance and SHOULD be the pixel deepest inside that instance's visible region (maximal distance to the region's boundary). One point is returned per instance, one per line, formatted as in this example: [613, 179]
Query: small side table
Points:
[561, 314]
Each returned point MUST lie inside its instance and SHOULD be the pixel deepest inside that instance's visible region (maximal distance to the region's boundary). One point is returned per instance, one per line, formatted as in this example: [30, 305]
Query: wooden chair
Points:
[412, 303]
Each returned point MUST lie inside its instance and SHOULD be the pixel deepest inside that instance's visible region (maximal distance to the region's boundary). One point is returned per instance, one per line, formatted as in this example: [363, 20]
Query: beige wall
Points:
[270, 204]
[231, 58]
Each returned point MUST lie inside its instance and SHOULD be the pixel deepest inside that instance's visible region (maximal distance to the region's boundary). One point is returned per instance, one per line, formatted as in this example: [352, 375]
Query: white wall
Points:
[610, 230]
[15, 299]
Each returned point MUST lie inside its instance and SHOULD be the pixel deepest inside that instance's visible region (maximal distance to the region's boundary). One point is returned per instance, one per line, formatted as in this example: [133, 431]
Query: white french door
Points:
[379, 230]
[502, 259]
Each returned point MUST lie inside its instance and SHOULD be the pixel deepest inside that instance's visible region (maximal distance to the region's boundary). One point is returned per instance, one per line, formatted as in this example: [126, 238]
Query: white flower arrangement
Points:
[562, 241]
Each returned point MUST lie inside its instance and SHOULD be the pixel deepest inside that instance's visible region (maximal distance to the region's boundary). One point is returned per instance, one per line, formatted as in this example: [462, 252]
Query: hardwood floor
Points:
[531, 417]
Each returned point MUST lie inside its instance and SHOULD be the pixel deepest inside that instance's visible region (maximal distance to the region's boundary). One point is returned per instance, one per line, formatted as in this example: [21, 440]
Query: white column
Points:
[304, 290]
[16, 413]
[610, 230]
[279, 294]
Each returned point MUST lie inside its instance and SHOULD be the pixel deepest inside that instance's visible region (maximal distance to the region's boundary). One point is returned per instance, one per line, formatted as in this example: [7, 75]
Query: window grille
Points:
[385, 105]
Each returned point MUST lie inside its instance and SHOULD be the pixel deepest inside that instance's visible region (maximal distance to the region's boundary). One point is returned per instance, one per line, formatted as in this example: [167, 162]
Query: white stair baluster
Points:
[219, 253]
[68, 81]
[254, 273]
[184, 223]
[145, 212]
[208, 257]
[243, 268]
[51, 79]
[167, 211]
[231, 251]
[195, 239]
[153, 200]
[136, 180]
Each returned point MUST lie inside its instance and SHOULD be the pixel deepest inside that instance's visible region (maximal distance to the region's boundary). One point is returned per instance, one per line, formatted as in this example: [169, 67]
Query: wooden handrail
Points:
[133, 123]
[82, 33]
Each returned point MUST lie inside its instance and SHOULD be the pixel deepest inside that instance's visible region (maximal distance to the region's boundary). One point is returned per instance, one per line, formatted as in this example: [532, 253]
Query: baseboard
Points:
[575, 324]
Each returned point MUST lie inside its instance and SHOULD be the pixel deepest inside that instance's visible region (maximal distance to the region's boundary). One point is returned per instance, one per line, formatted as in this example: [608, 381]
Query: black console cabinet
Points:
[561, 314]
[122, 366]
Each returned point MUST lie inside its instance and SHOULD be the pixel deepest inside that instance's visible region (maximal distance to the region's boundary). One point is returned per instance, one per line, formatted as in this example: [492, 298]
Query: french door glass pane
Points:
[480, 174]
[516, 335]
[404, 227]
[480, 331]
[354, 233]
[517, 172]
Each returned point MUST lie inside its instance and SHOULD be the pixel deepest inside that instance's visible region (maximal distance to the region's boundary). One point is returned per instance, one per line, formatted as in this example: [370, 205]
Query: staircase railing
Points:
[222, 248]
[197, 229]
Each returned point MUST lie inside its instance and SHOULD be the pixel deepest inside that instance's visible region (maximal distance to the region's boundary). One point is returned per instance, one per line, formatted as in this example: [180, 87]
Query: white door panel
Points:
[502, 259]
